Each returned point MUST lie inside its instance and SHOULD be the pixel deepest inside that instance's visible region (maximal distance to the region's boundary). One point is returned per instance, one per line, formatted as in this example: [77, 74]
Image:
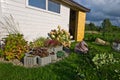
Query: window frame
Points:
[54, 4]
[40, 9]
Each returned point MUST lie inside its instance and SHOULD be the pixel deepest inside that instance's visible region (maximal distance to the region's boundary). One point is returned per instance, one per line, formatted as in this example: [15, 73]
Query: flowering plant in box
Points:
[52, 43]
[60, 35]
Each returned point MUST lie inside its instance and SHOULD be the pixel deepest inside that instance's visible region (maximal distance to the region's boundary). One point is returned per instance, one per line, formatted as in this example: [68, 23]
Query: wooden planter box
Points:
[44, 61]
[31, 61]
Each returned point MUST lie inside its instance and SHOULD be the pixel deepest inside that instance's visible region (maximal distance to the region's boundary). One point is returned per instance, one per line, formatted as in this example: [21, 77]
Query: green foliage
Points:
[1, 53]
[91, 27]
[110, 37]
[60, 35]
[107, 25]
[92, 37]
[74, 67]
[103, 59]
[39, 42]
[15, 46]
[60, 54]
[79, 74]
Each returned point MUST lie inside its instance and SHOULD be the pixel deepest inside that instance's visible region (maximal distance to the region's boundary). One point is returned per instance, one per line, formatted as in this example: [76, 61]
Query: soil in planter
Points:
[39, 51]
[52, 53]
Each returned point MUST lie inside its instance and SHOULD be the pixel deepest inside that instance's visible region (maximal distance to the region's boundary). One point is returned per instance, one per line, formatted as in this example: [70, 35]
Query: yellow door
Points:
[80, 26]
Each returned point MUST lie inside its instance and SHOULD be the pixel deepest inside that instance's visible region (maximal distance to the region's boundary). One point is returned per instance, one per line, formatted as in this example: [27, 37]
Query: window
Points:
[38, 3]
[52, 6]
[45, 4]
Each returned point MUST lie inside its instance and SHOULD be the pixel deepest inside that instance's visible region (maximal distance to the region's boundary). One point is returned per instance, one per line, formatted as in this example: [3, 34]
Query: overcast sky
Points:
[101, 9]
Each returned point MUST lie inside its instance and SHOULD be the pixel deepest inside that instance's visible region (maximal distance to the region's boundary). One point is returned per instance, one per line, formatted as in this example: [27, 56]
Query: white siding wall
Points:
[34, 23]
[0, 8]
[2, 32]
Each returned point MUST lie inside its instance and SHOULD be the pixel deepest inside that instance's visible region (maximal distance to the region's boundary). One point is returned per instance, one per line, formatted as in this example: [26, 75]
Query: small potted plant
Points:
[60, 54]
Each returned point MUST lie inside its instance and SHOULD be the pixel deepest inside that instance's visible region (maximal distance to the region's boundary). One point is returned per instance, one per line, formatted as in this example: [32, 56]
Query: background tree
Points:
[107, 25]
[91, 27]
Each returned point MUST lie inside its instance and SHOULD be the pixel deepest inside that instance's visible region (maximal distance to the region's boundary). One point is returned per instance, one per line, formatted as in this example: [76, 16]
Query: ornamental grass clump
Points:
[15, 46]
[60, 35]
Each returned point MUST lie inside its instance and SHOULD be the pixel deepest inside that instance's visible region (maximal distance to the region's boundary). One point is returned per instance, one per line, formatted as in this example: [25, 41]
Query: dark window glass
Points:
[38, 3]
[54, 7]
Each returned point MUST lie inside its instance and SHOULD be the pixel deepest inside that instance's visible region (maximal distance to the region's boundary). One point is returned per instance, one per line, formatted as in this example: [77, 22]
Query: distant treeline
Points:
[106, 26]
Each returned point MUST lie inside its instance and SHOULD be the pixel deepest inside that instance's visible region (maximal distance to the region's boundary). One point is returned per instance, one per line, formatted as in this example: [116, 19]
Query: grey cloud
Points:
[101, 9]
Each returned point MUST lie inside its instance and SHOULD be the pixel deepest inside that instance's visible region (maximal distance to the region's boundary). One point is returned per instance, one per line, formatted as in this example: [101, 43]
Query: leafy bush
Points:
[103, 59]
[110, 37]
[39, 42]
[15, 46]
[61, 35]
[92, 37]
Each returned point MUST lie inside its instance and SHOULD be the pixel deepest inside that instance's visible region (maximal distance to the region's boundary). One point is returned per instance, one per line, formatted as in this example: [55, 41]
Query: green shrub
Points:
[39, 42]
[103, 59]
[92, 37]
[15, 46]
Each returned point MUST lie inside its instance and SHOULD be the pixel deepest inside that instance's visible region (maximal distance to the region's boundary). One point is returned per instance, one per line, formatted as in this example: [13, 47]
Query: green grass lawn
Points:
[74, 67]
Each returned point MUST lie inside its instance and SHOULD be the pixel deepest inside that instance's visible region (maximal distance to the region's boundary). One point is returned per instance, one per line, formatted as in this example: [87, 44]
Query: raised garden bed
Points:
[31, 61]
[57, 48]
[53, 56]
[44, 61]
